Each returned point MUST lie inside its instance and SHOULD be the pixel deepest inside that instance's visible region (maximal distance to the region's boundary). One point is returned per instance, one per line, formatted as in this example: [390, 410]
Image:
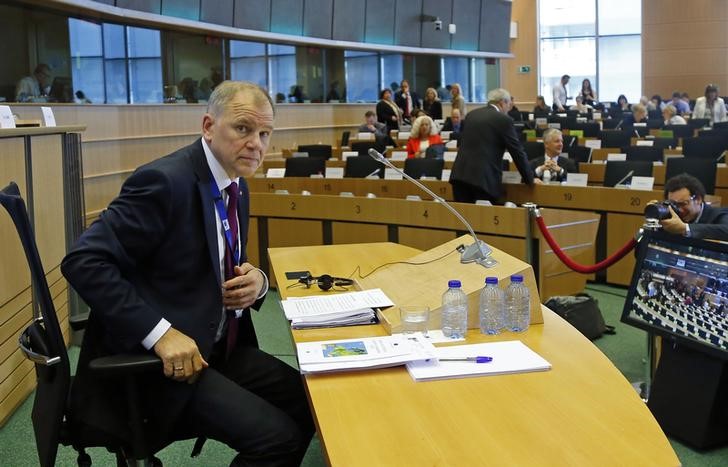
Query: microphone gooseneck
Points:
[624, 179]
[479, 252]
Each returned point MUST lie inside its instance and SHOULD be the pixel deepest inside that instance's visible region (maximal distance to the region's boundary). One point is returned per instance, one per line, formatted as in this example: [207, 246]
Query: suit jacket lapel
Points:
[208, 209]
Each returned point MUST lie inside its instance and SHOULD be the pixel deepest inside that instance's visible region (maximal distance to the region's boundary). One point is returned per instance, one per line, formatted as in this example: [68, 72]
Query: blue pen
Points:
[479, 359]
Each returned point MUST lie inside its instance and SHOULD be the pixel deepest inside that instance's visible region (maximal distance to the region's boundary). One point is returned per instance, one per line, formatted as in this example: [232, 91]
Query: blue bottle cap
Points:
[454, 284]
[517, 278]
[491, 280]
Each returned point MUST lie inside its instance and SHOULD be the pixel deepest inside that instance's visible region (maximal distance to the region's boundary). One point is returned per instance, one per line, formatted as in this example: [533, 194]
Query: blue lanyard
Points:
[222, 212]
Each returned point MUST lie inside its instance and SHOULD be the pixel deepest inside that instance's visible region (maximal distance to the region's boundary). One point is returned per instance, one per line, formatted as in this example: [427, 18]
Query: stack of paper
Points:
[367, 352]
[341, 309]
[504, 358]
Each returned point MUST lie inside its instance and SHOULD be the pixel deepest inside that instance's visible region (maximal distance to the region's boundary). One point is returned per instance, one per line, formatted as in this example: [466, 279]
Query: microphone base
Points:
[478, 253]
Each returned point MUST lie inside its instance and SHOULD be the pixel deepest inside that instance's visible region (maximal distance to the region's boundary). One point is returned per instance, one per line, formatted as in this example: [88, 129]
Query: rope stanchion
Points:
[570, 263]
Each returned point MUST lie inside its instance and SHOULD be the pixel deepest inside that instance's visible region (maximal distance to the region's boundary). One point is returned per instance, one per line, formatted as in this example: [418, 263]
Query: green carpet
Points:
[626, 349]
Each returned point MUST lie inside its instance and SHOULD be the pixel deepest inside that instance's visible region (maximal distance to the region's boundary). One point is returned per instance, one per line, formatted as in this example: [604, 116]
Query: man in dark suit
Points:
[692, 217]
[406, 100]
[454, 122]
[489, 132]
[552, 162]
[164, 270]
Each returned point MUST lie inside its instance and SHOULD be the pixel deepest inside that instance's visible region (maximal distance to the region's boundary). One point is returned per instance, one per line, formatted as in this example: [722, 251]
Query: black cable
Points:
[358, 268]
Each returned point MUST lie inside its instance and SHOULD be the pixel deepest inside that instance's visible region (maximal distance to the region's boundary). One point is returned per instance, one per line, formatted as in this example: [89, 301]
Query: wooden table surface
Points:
[581, 412]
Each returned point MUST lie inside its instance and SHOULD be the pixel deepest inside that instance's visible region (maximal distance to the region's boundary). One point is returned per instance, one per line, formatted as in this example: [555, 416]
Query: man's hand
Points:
[674, 224]
[537, 181]
[180, 356]
[242, 290]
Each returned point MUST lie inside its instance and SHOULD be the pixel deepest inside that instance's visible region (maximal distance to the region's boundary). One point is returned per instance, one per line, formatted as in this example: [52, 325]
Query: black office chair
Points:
[698, 122]
[362, 147]
[720, 126]
[363, 166]
[708, 147]
[702, 169]
[590, 129]
[305, 166]
[615, 138]
[345, 138]
[610, 123]
[644, 153]
[680, 131]
[580, 154]
[570, 141]
[316, 150]
[534, 149]
[42, 343]
[418, 168]
[640, 131]
[655, 123]
[664, 143]
[616, 171]
[654, 115]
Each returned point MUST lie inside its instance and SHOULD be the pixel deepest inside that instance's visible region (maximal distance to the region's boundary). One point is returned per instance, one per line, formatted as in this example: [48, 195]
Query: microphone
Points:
[619, 125]
[722, 155]
[478, 252]
[624, 179]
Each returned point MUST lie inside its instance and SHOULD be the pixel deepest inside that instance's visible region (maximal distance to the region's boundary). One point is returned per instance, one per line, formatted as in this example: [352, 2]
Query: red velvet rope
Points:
[580, 267]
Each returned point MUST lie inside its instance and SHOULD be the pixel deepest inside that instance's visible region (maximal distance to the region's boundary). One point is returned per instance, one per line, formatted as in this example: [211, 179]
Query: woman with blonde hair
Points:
[431, 105]
[424, 134]
[458, 102]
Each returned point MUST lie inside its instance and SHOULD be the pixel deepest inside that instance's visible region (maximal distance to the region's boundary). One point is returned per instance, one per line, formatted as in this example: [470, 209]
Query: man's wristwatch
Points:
[687, 230]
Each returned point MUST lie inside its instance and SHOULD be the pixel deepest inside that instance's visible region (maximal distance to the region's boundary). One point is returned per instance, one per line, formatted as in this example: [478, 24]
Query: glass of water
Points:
[414, 318]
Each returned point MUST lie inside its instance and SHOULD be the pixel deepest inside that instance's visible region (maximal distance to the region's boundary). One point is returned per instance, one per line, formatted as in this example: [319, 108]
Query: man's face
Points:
[688, 206]
[455, 117]
[505, 105]
[240, 136]
[554, 145]
[371, 119]
[44, 78]
[564, 81]
[405, 87]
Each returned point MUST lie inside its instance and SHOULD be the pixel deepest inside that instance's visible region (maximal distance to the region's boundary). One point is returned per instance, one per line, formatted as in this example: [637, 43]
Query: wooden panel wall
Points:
[684, 46]
[525, 50]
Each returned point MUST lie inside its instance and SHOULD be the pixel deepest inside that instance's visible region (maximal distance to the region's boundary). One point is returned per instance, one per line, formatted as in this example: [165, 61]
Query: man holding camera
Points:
[690, 215]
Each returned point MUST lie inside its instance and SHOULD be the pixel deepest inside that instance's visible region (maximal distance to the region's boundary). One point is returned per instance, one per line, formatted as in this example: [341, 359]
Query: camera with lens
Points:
[660, 211]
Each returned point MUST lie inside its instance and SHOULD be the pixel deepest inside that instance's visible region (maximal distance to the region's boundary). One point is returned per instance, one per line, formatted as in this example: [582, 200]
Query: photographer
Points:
[689, 215]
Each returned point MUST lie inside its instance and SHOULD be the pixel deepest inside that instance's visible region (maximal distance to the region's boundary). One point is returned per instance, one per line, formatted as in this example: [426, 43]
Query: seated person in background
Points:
[34, 86]
[454, 123]
[588, 96]
[553, 141]
[710, 106]
[657, 102]
[669, 114]
[639, 115]
[417, 113]
[541, 109]
[622, 103]
[685, 97]
[432, 105]
[682, 107]
[514, 113]
[424, 134]
[693, 218]
[580, 106]
[371, 125]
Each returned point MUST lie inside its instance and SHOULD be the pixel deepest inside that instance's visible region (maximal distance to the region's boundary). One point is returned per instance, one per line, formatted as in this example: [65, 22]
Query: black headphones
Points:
[325, 281]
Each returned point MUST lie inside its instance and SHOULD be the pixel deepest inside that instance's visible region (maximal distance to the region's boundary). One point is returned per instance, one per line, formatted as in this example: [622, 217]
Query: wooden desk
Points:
[582, 412]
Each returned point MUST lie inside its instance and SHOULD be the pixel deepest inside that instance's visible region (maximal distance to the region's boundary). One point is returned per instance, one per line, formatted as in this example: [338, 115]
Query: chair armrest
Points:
[78, 322]
[125, 364]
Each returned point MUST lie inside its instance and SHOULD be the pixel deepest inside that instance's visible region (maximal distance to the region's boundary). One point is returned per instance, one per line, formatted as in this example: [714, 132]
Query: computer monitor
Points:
[61, 90]
[679, 290]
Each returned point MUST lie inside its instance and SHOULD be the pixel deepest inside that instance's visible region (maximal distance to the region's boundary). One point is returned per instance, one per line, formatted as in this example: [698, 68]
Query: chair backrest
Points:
[316, 150]
[720, 125]
[702, 169]
[654, 115]
[664, 143]
[436, 151]
[644, 153]
[345, 138]
[708, 147]
[617, 170]
[579, 153]
[680, 131]
[417, 168]
[570, 141]
[654, 123]
[362, 147]
[43, 336]
[305, 166]
[590, 129]
[615, 138]
[636, 130]
[698, 122]
[534, 149]
[362, 166]
[610, 123]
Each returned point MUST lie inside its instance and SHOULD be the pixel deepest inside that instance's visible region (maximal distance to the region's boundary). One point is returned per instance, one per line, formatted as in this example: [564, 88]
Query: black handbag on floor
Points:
[582, 312]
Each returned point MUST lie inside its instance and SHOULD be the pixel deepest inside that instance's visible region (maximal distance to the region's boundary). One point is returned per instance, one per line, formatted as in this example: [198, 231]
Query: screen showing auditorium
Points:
[680, 288]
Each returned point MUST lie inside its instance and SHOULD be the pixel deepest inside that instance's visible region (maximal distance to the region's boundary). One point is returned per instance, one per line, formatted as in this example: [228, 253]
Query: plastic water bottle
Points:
[518, 305]
[492, 307]
[454, 311]
[547, 176]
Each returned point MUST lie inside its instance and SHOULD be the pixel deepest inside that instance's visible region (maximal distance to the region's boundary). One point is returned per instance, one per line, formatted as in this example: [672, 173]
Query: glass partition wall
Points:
[117, 63]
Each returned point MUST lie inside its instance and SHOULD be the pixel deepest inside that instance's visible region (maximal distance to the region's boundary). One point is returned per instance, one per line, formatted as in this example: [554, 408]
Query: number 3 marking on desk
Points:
[357, 209]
